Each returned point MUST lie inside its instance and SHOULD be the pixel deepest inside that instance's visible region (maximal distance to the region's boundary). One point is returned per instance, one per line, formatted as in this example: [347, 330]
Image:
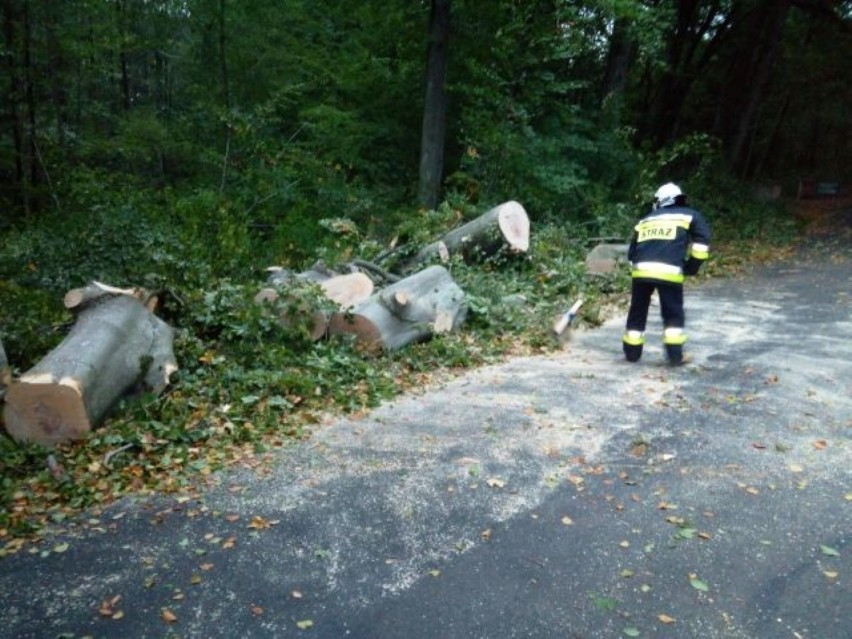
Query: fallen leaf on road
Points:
[696, 583]
[831, 574]
[168, 616]
[632, 632]
[259, 523]
[567, 520]
[831, 552]
[304, 624]
[796, 468]
[820, 444]
[666, 619]
[107, 608]
[496, 482]
[486, 534]
[256, 610]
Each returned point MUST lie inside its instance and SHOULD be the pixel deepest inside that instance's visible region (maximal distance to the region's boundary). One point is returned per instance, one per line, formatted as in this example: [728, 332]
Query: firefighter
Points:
[670, 242]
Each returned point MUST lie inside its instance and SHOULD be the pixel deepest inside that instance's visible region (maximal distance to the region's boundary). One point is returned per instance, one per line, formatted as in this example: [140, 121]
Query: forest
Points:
[187, 145]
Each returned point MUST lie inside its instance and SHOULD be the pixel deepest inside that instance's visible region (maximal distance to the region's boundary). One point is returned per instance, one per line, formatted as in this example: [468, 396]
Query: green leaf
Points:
[699, 585]
[831, 552]
[630, 631]
[305, 624]
[603, 603]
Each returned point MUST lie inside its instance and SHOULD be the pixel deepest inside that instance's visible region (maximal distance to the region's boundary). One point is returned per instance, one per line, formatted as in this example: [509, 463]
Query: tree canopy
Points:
[296, 110]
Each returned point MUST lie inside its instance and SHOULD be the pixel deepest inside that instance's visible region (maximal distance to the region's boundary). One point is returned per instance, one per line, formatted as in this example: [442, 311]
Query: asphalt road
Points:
[572, 496]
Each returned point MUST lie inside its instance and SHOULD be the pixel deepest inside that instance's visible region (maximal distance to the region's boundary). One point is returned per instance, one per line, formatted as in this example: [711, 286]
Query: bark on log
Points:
[506, 225]
[344, 290]
[77, 299]
[413, 309]
[116, 345]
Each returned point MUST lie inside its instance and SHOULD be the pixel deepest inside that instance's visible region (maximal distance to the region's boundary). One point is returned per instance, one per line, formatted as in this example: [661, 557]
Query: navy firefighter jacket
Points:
[668, 243]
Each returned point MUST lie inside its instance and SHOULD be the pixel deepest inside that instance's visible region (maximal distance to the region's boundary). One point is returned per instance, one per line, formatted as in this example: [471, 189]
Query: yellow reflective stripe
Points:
[676, 217]
[676, 278]
[674, 337]
[656, 223]
[657, 267]
[633, 340]
[699, 251]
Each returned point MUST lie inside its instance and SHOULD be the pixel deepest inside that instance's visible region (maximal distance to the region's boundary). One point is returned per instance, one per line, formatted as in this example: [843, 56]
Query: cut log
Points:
[413, 309]
[606, 258]
[344, 291]
[506, 225]
[78, 298]
[115, 346]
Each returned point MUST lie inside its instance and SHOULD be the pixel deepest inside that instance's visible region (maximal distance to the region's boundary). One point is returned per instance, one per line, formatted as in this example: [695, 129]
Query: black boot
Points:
[674, 353]
[632, 352]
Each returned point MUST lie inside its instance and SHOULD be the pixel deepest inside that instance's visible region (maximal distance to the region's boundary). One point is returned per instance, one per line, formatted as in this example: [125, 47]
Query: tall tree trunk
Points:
[13, 103]
[695, 38]
[435, 108]
[773, 21]
[124, 74]
[622, 48]
[29, 158]
[223, 62]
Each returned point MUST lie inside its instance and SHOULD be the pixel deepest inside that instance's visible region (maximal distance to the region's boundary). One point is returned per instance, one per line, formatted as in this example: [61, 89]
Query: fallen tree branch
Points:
[378, 270]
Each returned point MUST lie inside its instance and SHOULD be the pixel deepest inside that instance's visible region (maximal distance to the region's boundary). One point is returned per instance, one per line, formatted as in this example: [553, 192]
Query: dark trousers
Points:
[671, 304]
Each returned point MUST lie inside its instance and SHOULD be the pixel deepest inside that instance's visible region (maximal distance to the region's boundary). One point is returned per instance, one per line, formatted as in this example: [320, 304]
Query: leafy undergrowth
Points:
[249, 385]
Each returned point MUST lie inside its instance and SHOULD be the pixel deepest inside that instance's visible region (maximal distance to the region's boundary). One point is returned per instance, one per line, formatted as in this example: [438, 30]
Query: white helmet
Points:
[667, 195]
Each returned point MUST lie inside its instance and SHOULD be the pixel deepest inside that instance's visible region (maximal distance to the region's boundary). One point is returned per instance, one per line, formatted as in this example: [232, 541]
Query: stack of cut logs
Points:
[118, 346]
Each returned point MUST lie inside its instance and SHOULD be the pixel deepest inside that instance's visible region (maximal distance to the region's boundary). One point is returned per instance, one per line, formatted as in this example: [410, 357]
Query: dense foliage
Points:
[187, 145]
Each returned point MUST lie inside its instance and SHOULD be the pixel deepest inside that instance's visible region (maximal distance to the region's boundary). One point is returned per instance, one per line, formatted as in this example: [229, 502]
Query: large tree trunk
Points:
[345, 291]
[116, 345]
[5, 376]
[411, 310]
[622, 49]
[435, 108]
[506, 225]
[765, 49]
